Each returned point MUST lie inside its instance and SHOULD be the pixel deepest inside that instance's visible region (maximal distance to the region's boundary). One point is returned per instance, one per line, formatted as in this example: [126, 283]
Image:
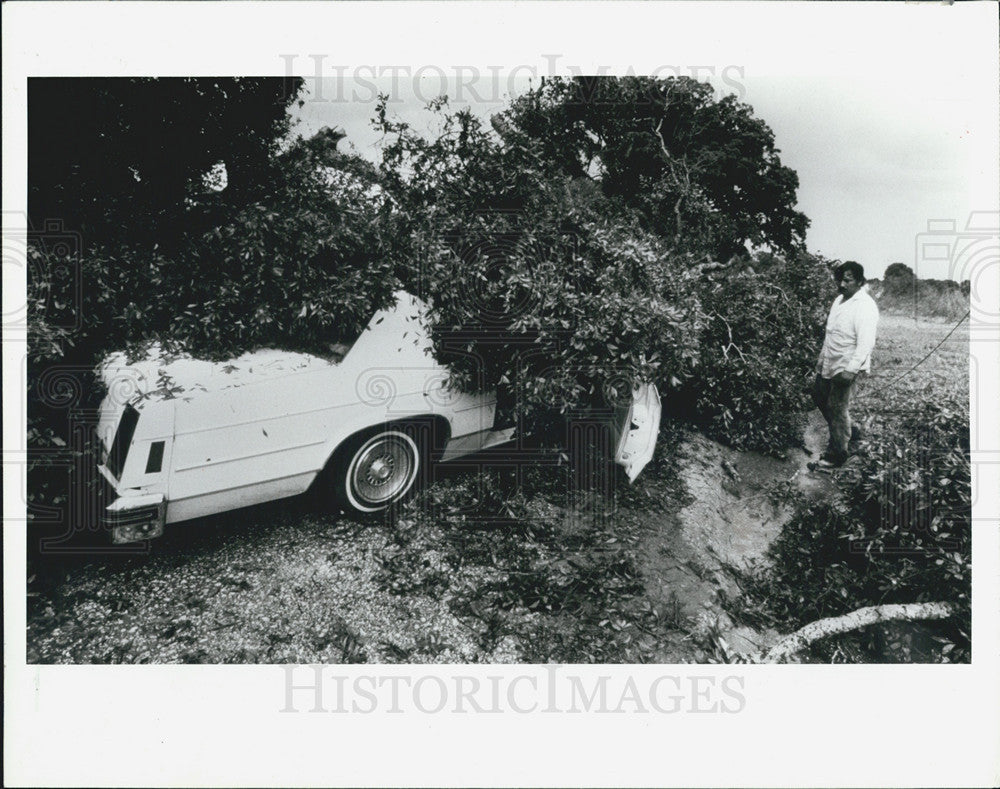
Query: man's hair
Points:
[856, 269]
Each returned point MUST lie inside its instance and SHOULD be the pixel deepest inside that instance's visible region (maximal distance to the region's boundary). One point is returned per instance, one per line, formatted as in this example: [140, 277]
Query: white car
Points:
[183, 438]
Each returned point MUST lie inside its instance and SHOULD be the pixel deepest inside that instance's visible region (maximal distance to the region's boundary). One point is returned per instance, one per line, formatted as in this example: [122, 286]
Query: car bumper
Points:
[135, 518]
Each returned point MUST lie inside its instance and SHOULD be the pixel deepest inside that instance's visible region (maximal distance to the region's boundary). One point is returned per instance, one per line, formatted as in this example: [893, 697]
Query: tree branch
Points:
[863, 617]
[683, 186]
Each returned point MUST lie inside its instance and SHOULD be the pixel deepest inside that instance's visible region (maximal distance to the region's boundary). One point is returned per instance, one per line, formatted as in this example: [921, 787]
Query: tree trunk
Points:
[814, 631]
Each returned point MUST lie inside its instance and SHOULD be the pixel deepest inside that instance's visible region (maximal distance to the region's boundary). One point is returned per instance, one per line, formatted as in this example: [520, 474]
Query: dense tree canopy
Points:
[509, 241]
[115, 158]
[533, 279]
[703, 173]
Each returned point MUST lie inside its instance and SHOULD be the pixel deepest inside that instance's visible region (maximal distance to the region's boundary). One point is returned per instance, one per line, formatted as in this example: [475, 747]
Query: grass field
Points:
[893, 385]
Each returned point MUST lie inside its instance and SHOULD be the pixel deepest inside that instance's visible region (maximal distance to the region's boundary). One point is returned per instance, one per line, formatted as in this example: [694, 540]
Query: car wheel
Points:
[381, 469]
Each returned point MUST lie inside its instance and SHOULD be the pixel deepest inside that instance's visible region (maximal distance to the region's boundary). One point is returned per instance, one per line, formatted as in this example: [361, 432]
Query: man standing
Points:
[847, 347]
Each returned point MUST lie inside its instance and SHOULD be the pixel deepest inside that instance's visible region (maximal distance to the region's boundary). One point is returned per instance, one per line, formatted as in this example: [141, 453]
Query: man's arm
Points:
[865, 325]
[822, 351]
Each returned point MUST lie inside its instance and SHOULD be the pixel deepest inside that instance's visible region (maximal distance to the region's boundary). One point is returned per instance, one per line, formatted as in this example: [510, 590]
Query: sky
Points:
[879, 154]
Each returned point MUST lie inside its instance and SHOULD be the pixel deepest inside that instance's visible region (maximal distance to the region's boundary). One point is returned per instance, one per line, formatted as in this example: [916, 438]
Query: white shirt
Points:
[850, 334]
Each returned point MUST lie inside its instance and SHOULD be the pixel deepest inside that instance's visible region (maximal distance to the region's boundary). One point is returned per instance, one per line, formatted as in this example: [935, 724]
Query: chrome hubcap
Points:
[380, 470]
[383, 470]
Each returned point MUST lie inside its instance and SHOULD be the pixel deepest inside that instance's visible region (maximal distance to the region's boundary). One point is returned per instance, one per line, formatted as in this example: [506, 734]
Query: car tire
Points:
[377, 471]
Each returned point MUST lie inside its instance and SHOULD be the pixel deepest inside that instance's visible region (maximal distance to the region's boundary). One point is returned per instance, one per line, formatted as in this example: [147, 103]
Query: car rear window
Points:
[122, 441]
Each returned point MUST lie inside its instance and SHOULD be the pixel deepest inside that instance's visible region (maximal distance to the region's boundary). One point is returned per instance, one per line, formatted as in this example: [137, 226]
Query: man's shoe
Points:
[827, 462]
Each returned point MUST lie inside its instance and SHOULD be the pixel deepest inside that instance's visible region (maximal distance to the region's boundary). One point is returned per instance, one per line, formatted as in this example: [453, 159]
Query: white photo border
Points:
[214, 725]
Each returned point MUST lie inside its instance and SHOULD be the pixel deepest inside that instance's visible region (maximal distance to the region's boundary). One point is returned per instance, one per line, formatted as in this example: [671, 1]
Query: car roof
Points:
[158, 376]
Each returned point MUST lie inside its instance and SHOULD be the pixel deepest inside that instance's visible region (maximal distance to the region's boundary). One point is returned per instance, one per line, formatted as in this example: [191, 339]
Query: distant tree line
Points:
[901, 292]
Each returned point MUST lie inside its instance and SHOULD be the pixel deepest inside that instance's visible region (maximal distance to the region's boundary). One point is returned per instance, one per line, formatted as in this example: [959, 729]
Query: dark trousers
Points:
[833, 399]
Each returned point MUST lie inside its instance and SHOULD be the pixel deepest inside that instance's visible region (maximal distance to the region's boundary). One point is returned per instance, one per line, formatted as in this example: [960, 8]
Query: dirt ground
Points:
[283, 583]
[731, 515]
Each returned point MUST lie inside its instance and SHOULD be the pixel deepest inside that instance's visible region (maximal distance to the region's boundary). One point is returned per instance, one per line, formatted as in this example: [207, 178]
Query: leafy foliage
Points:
[703, 173]
[513, 240]
[559, 576]
[764, 328]
[901, 533]
[48, 431]
[533, 280]
[302, 267]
